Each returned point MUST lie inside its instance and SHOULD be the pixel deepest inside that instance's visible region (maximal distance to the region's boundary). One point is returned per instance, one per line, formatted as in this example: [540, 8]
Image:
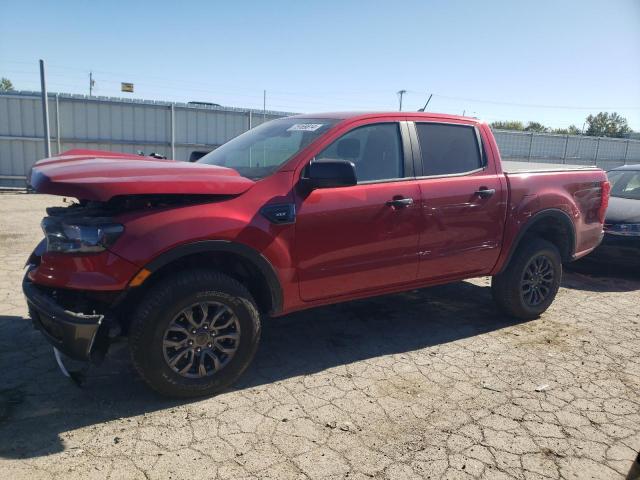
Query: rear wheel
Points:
[529, 284]
[194, 334]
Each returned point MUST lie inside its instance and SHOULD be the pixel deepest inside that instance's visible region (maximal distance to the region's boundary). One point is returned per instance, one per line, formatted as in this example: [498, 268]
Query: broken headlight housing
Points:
[79, 237]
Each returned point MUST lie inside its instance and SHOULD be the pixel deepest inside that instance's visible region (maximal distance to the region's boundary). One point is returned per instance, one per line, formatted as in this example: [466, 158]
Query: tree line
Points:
[5, 85]
[603, 124]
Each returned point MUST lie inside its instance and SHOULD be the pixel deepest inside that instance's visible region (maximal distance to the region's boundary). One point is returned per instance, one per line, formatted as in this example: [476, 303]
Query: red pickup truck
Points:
[187, 258]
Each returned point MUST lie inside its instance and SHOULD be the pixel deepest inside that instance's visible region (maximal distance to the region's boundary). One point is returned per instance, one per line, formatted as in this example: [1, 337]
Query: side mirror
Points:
[329, 173]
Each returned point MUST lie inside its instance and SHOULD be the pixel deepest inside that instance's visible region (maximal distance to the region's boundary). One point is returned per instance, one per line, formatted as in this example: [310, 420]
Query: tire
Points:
[513, 289]
[165, 316]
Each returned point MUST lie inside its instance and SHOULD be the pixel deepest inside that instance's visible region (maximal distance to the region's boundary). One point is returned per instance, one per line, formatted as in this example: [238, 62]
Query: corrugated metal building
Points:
[175, 130]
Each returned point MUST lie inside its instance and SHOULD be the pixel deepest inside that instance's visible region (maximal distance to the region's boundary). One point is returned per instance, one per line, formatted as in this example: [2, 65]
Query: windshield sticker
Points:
[304, 127]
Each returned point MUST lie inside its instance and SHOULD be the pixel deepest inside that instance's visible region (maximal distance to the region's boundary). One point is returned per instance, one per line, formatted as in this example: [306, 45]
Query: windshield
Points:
[260, 151]
[625, 183]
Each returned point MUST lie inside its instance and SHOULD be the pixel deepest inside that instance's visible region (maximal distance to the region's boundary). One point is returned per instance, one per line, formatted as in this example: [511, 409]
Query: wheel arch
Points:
[553, 225]
[235, 259]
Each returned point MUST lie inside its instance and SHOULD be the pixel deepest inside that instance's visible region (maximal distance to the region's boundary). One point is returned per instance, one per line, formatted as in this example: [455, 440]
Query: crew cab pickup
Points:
[187, 259]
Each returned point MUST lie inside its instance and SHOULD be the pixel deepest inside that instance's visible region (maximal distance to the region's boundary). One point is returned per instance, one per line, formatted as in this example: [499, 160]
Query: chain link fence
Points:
[606, 153]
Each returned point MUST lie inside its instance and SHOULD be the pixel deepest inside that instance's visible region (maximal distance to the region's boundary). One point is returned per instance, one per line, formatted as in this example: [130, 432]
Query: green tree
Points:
[607, 125]
[570, 130]
[6, 85]
[536, 127]
[507, 125]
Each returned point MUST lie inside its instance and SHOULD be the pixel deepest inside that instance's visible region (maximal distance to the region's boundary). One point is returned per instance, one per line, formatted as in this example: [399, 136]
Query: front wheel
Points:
[529, 284]
[194, 334]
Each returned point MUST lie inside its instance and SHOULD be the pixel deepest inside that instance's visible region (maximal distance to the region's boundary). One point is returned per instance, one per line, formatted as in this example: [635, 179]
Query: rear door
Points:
[363, 237]
[463, 203]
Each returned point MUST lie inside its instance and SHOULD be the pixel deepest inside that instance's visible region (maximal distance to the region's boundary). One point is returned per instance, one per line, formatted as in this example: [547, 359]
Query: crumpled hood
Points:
[623, 210]
[100, 176]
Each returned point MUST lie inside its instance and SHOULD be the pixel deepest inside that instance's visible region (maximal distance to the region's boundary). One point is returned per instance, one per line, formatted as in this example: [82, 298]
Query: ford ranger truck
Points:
[187, 259]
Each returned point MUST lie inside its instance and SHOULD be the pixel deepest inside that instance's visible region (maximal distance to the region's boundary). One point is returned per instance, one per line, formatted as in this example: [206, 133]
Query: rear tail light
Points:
[605, 190]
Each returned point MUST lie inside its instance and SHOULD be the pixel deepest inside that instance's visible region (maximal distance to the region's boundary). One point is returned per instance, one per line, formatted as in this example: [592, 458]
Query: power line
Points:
[291, 101]
[532, 105]
[300, 95]
[68, 81]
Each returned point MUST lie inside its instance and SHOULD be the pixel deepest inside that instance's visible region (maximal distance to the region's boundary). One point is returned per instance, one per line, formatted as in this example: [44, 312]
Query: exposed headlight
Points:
[626, 229]
[79, 237]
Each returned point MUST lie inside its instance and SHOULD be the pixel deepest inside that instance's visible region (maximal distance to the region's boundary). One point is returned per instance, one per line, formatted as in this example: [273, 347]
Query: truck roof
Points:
[363, 115]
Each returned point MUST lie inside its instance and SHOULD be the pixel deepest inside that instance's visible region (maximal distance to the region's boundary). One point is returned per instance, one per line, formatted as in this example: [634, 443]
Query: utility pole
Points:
[401, 93]
[92, 83]
[45, 111]
[264, 119]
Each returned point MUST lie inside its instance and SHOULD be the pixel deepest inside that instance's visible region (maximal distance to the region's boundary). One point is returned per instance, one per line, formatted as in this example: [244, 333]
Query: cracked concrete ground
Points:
[433, 383]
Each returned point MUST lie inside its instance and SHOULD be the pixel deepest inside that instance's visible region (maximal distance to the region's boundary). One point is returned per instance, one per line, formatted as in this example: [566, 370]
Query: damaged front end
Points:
[81, 336]
[78, 290]
[79, 323]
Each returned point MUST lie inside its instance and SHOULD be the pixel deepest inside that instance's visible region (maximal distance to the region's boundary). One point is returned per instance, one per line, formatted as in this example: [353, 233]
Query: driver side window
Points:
[375, 150]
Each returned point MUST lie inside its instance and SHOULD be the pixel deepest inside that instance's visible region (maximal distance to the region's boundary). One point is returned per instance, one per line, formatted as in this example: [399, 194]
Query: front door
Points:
[362, 237]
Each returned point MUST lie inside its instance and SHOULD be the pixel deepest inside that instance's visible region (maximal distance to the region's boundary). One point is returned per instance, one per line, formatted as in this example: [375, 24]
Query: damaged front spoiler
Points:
[77, 335]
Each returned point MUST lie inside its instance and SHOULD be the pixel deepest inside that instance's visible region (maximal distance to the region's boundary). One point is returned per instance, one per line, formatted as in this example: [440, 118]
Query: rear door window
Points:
[448, 149]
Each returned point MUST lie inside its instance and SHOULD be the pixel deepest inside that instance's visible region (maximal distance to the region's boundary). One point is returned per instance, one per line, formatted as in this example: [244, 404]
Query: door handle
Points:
[484, 192]
[400, 202]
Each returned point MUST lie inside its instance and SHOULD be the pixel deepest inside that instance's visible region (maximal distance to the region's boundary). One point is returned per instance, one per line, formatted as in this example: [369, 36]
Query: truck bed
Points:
[532, 167]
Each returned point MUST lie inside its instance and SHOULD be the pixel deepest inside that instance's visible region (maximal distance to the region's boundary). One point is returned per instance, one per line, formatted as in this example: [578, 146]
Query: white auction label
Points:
[304, 127]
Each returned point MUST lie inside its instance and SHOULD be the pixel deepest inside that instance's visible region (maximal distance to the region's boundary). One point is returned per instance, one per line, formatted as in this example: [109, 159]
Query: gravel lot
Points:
[429, 384]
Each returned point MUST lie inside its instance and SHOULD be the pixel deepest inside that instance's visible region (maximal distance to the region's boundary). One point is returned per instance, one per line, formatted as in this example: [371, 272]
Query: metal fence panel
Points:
[124, 125]
[92, 120]
[611, 149]
[633, 152]
[112, 124]
[512, 144]
[604, 152]
[547, 147]
[208, 127]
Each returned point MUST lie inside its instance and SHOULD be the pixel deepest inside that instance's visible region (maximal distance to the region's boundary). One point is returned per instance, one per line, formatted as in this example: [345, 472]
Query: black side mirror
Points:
[329, 173]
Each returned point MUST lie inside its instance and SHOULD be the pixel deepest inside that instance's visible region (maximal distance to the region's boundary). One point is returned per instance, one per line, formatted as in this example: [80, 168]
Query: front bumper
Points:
[77, 335]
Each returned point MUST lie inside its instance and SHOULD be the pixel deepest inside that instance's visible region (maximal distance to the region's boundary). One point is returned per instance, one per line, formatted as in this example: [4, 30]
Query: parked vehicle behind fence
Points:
[188, 259]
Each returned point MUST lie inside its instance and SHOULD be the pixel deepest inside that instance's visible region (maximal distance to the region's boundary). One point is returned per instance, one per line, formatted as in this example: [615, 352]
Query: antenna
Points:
[425, 105]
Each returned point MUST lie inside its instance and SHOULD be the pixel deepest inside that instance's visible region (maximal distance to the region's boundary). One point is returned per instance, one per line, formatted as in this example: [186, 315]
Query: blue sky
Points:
[549, 61]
